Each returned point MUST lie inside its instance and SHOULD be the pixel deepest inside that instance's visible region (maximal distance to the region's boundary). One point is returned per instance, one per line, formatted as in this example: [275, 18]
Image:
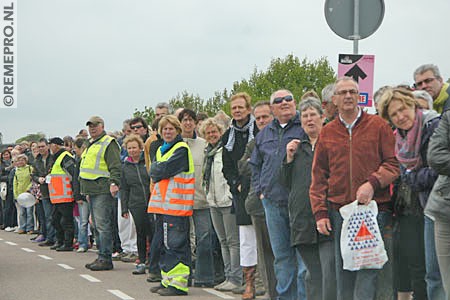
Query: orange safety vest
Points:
[174, 196]
[60, 186]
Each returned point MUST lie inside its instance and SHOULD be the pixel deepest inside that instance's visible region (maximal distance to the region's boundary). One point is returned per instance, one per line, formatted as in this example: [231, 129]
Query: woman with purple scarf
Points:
[414, 127]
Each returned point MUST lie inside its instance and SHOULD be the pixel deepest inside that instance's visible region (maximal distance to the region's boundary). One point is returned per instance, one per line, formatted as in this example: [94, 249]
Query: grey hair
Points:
[379, 93]
[126, 122]
[164, 105]
[344, 78]
[282, 90]
[310, 102]
[421, 94]
[428, 67]
[327, 93]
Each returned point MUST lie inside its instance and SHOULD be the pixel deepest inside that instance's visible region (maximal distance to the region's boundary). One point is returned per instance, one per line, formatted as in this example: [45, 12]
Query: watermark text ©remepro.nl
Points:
[9, 61]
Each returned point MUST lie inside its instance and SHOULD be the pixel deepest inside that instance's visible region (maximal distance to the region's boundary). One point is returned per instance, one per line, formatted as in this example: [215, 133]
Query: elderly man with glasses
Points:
[354, 159]
[428, 77]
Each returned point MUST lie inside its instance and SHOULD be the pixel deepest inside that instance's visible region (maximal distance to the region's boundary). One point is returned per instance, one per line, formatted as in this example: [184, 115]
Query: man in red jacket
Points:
[354, 159]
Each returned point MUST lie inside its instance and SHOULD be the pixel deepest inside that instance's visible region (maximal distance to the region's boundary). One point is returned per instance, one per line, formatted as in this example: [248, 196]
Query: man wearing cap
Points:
[63, 189]
[428, 77]
[99, 180]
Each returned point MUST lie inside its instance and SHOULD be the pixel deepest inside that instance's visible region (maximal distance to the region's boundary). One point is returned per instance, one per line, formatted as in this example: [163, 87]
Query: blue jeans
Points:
[435, 290]
[154, 254]
[26, 218]
[101, 207]
[83, 210]
[204, 264]
[48, 210]
[289, 268]
[362, 284]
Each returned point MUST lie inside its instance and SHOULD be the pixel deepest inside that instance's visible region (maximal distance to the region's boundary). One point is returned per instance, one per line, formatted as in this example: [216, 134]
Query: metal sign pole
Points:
[355, 26]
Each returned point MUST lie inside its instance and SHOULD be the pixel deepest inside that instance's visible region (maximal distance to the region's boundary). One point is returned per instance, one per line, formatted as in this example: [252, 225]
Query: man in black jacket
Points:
[42, 166]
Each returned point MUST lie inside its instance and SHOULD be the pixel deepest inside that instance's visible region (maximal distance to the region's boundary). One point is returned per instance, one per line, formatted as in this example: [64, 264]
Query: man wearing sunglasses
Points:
[428, 78]
[139, 127]
[266, 160]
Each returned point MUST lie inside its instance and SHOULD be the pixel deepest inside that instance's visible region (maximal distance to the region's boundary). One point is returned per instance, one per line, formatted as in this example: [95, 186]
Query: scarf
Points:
[211, 151]
[439, 102]
[407, 144]
[166, 146]
[233, 128]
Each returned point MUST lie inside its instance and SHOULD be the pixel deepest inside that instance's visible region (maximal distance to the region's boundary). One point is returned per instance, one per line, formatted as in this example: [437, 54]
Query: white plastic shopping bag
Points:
[362, 246]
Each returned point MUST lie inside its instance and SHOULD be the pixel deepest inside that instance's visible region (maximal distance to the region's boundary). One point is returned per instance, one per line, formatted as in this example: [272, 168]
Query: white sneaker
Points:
[16, 229]
[227, 287]
[81, 250]
[9, 229]
[220, 285]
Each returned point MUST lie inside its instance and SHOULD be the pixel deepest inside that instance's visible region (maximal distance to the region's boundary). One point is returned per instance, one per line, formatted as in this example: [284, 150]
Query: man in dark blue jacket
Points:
[266, 160]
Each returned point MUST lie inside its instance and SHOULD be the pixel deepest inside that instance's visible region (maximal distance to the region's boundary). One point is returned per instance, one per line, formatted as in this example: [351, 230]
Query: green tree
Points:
[148, 114]
[187, 100]
[31, 137]
[298, 76]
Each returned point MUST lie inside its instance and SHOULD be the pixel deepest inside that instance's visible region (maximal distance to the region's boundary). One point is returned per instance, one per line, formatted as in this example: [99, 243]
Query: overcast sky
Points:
[107, 57]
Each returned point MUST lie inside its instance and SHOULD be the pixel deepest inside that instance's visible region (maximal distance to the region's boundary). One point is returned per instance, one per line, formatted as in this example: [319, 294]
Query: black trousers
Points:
[409, 262]
[144, 230]
[62, 219]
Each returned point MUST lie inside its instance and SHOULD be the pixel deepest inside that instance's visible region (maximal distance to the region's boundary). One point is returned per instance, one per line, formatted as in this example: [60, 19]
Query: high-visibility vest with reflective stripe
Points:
[93, 164]
[174, 196]
[60, 187]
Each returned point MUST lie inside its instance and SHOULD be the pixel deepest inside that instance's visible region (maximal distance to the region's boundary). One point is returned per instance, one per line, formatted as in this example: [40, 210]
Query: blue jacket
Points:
[268, 155]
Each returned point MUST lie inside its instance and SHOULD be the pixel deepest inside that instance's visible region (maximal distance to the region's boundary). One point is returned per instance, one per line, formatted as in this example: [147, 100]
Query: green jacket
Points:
[22, 180]
[101, 185]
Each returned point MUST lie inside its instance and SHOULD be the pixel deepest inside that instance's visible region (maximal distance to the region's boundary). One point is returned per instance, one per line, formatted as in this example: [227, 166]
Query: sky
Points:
[78, 58]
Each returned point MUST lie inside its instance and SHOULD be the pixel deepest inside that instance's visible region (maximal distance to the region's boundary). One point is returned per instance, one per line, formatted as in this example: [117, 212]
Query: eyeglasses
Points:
[278, 100]
[427, 81]
[344, 92]
[136, 126]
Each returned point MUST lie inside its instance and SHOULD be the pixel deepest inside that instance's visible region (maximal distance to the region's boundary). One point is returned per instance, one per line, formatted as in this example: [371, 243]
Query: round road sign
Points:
[340, 17]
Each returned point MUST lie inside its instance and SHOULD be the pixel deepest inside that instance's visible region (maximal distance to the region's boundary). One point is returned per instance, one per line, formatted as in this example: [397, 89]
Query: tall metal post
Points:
[355, 26]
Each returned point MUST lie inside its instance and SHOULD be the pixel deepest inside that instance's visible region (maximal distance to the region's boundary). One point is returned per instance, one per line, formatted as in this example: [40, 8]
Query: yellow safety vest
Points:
[174, 196]
[93, 164]
[60, 187]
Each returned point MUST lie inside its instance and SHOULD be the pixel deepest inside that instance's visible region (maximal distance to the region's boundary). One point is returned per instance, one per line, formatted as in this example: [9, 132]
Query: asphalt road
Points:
[28, 271]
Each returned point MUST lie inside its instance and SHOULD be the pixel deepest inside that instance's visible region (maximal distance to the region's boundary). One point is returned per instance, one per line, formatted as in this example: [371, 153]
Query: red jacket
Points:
[342, 163]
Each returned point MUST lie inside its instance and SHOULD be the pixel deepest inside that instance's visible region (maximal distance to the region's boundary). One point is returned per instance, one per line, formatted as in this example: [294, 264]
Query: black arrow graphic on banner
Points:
[356, 73]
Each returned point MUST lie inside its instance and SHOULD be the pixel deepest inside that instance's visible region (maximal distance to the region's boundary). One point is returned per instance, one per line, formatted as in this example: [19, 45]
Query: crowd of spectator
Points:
[249, 204]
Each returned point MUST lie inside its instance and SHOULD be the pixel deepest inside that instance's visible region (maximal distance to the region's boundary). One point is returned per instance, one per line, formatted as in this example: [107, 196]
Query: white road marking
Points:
[90, 278]
[67, 267]
[1, 239]
[11, 243]
[120, 294]
[28, 250]
[218, 294]
[45, 257]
